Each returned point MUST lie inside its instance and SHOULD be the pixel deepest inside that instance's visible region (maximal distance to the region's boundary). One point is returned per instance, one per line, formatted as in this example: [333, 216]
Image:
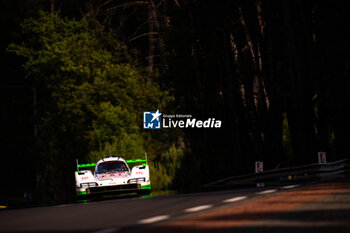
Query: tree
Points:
[90, 99]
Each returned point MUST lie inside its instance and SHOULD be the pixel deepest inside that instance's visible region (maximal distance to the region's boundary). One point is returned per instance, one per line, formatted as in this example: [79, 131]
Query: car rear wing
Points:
[143, 161]
[129, 161]
[136, 161]
[84, 165]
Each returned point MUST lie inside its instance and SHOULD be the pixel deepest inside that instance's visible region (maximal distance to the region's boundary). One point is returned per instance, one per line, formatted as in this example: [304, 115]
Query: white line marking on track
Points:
[267, 191]
[198, 208]
[64, 205]
[235, 199]
[153, 219]
[290, 186]
[110, 230]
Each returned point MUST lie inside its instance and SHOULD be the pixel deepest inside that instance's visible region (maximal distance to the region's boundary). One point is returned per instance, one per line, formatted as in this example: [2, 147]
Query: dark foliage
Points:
[276, 73]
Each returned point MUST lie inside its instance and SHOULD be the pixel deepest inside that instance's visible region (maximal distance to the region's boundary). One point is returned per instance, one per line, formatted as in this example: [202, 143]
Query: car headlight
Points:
[137, 180]
[87, 185]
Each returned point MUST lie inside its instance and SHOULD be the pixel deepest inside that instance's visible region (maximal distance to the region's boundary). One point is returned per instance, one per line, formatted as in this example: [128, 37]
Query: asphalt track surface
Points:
[323, 207]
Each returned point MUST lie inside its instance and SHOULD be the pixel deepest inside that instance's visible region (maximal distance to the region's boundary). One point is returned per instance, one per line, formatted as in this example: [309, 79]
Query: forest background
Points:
[77, 75]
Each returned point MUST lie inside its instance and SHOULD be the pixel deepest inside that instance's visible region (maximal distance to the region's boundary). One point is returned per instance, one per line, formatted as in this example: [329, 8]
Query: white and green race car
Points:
[113, 175]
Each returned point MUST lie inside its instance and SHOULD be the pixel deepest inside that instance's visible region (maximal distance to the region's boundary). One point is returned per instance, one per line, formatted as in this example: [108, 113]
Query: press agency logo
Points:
[151, 120]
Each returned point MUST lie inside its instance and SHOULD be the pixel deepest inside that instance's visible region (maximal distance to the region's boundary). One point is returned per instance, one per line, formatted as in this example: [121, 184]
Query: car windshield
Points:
[110, 167]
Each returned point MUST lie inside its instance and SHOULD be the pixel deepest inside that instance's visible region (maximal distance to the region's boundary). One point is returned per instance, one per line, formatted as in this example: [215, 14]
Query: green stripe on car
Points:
[147, 186]
[87, 165]
[136, 160]
[81, 193]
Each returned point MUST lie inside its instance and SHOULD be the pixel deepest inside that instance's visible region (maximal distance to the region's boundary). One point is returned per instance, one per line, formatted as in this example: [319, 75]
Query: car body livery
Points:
[113, 175]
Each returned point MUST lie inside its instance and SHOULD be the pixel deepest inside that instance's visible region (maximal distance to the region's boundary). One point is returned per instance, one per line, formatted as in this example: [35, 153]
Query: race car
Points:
[113, 175]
